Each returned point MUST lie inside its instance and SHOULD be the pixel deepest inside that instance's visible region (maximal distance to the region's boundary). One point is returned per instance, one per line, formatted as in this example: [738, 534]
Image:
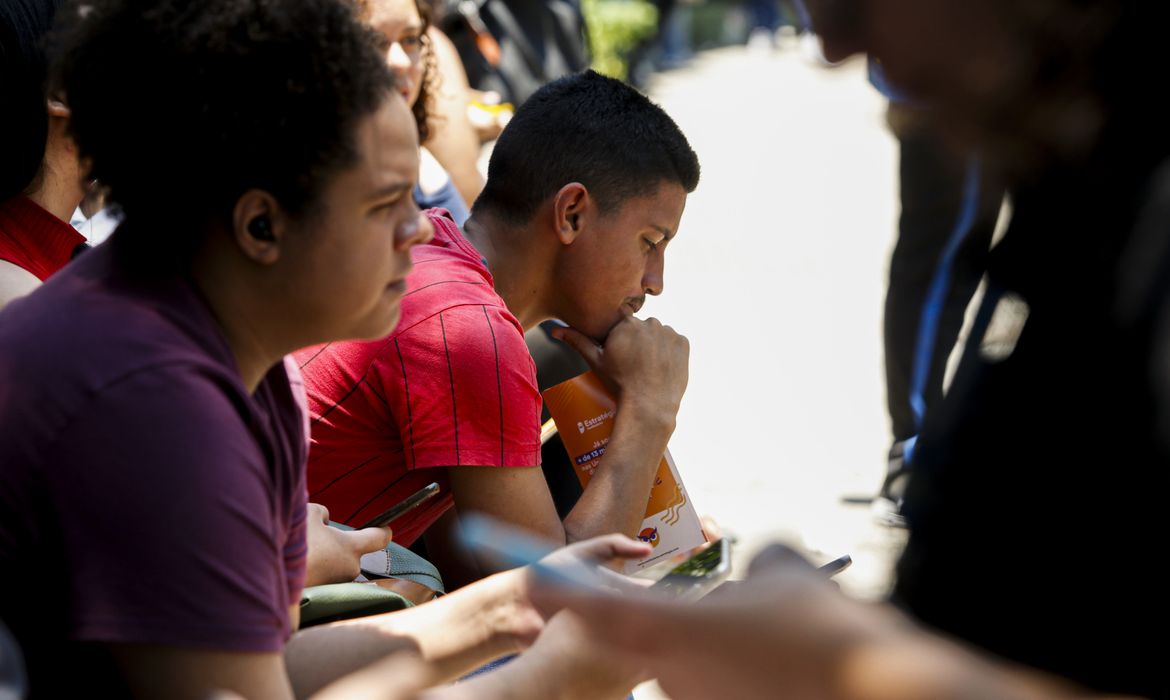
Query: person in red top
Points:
[456, 370]
[585, 188]
[40, 178]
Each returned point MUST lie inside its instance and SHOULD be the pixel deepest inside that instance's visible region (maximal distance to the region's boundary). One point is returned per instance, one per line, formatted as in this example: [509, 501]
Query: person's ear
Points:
[259, 226]
[570, 205]
[59, 115]
[57, 108]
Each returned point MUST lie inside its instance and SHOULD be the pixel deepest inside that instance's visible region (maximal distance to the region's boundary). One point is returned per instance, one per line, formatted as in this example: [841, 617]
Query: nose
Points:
[652, 276]
[419, 230]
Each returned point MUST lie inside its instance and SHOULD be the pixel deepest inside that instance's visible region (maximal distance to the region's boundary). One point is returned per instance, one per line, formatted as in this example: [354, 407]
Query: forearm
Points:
[454, 634]
[563, 664]
[615, 499]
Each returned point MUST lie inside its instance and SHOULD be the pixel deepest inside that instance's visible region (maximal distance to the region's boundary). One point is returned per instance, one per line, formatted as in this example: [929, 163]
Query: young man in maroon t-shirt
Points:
[585, 189]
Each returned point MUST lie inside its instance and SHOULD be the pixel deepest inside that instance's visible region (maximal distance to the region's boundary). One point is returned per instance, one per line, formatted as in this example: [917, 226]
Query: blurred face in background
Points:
[401, 25]
[1012, 76]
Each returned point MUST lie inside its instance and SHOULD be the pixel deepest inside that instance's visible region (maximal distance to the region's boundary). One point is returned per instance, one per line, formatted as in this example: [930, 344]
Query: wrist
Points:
[507, 619]
[651, 417]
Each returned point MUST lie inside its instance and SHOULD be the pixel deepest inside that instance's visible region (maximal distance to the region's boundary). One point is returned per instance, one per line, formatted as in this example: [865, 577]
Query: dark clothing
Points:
[1039, 484]
[145, 495]
[933, 183]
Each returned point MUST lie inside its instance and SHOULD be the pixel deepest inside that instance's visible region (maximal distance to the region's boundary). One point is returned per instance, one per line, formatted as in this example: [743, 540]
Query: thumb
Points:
[580, 342]
[371, 539]
[608, 548]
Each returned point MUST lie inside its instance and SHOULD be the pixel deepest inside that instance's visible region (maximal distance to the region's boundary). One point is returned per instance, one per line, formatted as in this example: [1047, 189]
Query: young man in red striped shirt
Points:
[585, 190]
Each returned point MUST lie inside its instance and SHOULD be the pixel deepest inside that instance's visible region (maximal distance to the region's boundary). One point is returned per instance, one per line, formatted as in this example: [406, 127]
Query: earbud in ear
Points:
[260, 228]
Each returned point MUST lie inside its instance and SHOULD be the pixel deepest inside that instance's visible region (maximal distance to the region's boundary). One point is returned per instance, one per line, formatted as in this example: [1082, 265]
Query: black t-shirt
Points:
[1037, 509]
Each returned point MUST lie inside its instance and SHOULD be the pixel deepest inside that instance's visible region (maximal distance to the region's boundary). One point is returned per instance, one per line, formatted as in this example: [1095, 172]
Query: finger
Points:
[710, 528]
[580, 342]
[319, 512]
[609, 547]
[370, 539]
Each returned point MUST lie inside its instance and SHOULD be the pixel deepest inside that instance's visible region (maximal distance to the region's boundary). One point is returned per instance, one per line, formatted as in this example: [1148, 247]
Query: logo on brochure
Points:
[649, 536]
[594, 422]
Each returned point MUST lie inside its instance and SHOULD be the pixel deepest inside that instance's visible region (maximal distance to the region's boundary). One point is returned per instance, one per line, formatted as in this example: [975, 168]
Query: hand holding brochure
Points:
[584, 413]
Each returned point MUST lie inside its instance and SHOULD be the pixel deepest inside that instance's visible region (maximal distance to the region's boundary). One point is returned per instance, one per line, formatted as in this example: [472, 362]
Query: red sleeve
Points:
[462, 387]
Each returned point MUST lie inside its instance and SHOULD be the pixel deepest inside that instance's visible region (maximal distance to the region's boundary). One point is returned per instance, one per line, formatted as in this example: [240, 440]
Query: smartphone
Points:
[414, 501]
[836, 566]
[707, 566]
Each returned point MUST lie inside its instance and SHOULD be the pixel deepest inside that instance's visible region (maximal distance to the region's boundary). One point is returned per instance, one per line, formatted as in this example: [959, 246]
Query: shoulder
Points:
[470, 332]
[71, 348]
[15, 282]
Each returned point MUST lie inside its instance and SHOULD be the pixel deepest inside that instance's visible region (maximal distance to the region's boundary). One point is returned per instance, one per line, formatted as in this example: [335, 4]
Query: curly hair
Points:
[430, 79]
[199, 102]
[423, 105]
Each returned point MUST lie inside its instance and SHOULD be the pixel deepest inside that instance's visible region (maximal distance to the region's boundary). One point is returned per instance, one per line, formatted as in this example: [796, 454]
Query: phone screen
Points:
[700, 573]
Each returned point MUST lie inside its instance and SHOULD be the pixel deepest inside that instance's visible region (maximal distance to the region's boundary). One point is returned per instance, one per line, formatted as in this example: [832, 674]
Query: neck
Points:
[518, 262]
[52, 195]
[58, 187]
[248, 325]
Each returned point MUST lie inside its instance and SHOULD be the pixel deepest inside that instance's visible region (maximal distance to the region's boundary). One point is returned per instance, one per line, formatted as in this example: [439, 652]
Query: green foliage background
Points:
[615, 27]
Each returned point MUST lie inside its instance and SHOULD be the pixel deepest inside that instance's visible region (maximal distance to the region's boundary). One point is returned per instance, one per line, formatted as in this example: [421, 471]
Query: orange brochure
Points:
[584, 413]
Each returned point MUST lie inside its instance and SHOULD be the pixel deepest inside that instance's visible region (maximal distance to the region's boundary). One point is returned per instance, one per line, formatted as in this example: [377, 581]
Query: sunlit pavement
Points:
[777, 277]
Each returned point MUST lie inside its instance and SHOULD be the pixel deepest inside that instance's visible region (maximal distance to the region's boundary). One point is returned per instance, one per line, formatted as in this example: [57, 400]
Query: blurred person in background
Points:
[41, 178]
[1039, 480]
[404, 26]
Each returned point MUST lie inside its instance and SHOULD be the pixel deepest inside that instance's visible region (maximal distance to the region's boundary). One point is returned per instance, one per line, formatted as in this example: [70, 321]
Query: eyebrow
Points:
[389, 191]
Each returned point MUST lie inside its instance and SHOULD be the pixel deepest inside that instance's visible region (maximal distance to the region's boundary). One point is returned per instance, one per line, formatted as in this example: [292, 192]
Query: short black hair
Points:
[24, 121]
[590, 129]
[183, 106]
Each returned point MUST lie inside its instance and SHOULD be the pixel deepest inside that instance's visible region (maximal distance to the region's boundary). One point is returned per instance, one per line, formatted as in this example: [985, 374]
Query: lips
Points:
[399, 284]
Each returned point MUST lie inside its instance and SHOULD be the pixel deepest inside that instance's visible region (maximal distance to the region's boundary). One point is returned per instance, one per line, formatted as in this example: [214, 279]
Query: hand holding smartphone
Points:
[707, 566]
[701, 570]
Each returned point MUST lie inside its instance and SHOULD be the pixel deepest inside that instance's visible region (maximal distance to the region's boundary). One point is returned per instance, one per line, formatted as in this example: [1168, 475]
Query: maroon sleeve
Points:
[462, 387]
[296, 544]
[173, 529]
